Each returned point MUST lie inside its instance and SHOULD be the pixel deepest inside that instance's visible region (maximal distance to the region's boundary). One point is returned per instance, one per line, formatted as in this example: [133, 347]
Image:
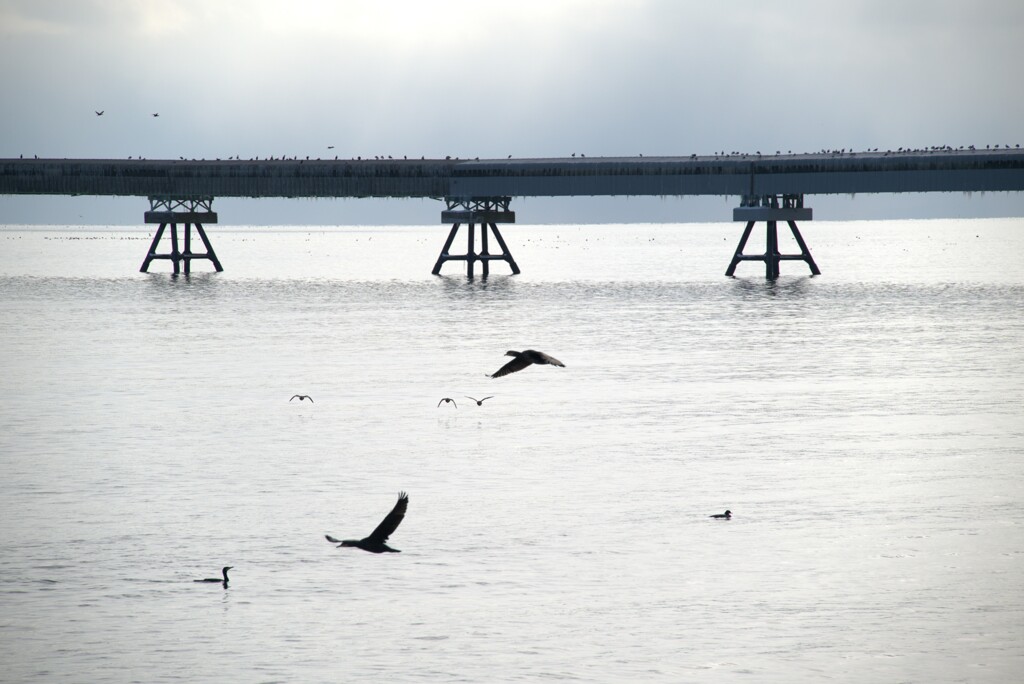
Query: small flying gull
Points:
[722, 516]
[480, 402]
[375, 542]
[302, 397]
[224, 581]
[526, 358]
[446, 400]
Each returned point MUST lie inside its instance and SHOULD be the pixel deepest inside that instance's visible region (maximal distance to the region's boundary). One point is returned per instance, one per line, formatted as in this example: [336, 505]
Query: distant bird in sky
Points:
[100, 113]
[480, 402]
[446, 400]
[722, 516]
[156, 113]
[224, 571]
[330, 147]
[526, 358]
[375, 542]
[301, 397]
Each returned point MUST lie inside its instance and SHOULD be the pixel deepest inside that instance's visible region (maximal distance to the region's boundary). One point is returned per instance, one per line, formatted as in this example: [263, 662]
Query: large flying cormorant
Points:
[223, 581]
[375, 542]
[526, 358]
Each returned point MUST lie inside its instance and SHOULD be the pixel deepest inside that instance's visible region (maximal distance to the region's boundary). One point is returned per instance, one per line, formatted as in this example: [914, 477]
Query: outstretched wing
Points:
[332, 539]
[550, 359]
[516, 364]
[391, 522]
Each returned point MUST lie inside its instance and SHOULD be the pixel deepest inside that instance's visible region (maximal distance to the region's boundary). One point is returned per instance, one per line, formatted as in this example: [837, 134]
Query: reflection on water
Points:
[863, 427]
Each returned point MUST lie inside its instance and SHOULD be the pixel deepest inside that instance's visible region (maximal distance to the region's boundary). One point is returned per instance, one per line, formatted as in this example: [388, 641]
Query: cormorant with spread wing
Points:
[375, 542]
[526, 358]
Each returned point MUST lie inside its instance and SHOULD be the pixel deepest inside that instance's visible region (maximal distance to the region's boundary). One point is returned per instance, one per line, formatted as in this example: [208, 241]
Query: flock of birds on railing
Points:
[376, 541]
[717, 155]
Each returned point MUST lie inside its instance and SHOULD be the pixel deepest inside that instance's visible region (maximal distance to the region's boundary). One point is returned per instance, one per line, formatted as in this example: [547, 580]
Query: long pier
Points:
[771, 187]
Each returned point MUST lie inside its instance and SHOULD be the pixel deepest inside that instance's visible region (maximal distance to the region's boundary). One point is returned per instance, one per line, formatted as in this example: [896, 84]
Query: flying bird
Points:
[722, 516]
[99, 113]
[446, 400]
[156, 114]
[224, 581]
[526, 358]
[480, 402]
[375, 542]
[302, 397]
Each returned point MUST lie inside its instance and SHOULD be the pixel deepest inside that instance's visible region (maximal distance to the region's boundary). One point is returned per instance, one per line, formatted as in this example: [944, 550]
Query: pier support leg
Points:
[488, 213]
[189, 212]
[771, 209]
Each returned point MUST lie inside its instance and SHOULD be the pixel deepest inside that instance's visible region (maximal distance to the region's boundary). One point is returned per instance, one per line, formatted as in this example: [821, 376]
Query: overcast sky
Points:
[485, 78]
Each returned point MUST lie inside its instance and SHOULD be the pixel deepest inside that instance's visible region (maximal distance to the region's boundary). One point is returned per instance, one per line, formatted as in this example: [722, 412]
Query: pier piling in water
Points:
[488, 212]
[189, 212]
[771, 209]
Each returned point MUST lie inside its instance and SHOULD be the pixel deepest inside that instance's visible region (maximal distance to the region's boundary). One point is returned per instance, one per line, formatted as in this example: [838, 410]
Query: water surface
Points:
[865, 427]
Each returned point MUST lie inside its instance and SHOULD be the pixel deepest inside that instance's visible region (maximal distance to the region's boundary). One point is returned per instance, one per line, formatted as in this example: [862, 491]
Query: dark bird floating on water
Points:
[302, 396]
[375, 542]
[224, 581]
[99, 113]
[446, 400]
[526, 358]
[722, 516]
[480, 402]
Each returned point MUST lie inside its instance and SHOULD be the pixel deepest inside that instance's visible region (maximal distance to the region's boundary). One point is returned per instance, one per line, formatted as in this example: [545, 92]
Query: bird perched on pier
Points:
[374, 543]
[224, 581]
[447, 400]
[526, 358]
[722, 516]
[480, 402]
[302, 397]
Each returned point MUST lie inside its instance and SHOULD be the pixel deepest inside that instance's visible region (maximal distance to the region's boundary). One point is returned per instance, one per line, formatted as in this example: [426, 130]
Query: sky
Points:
[488, 79]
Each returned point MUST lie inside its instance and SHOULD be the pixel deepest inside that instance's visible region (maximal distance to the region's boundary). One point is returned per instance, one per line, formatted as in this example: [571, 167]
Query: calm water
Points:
[866, 428]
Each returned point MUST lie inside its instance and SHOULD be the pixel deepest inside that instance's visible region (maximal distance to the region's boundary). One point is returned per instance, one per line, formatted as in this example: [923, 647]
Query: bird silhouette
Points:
[301, 397]
[156, 114]
[224, 581]
[722, 516]
[446, 400]
[99, 113]
[479, 402]
[374, 543]
[526, 358]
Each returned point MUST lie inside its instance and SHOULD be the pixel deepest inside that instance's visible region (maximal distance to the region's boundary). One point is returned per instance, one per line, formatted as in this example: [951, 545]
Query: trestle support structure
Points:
[487, 212]
[771, 209]
[189, 212]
